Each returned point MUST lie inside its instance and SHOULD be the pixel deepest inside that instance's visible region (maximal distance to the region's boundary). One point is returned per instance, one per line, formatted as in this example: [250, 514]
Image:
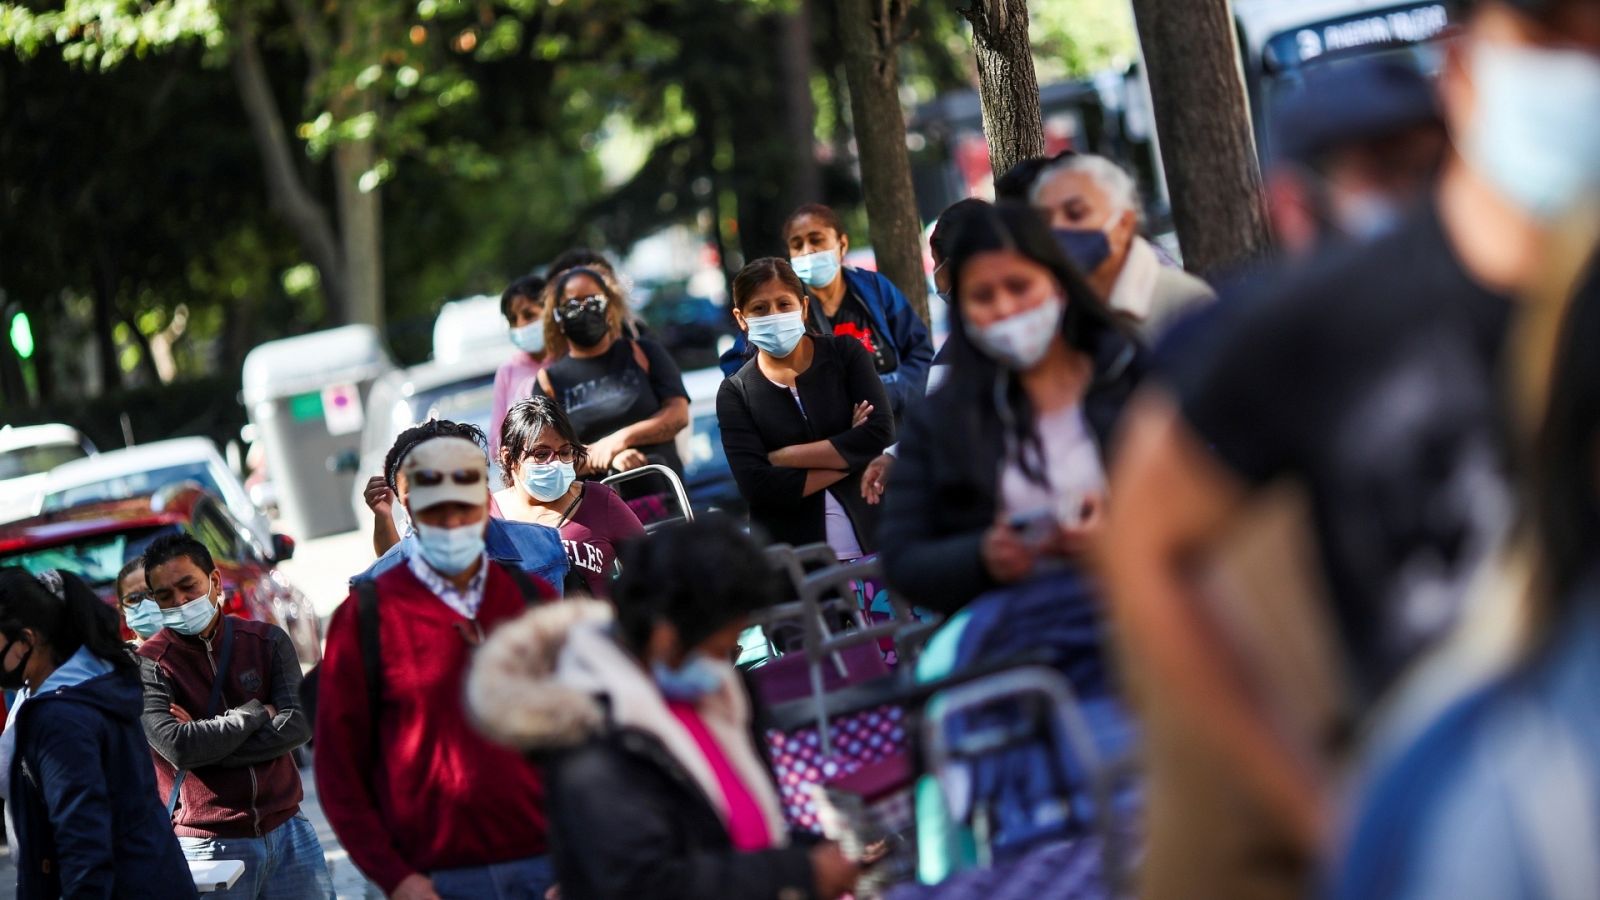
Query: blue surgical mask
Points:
[529, 338]
[1021, 340]
[697, 678]
[547, 482]
[1530, 136]
[144, 618]
[817, 269]
[192, 617]
[777, 334]
[1088, 248]
[450, 551]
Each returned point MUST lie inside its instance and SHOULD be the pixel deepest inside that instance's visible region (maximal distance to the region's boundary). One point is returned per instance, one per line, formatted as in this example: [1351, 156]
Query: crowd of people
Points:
[1325, 530]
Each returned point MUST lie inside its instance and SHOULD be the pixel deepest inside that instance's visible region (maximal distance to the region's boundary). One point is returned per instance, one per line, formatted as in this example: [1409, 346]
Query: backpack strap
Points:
[525, 585]
[371, 651]
[639, 357]
[211, 705]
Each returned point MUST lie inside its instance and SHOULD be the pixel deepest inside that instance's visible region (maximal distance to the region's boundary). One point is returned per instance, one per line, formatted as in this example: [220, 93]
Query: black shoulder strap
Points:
[530, 591]
[371, 655]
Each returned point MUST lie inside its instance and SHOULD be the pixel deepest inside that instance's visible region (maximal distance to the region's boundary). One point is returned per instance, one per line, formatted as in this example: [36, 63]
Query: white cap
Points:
[452, 460]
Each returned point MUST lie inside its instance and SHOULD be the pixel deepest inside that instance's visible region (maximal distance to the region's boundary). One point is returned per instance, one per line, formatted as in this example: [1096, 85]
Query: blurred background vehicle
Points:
[143, 470]
[95, 539]
[305, 396]
[706, 475]
[27, 455]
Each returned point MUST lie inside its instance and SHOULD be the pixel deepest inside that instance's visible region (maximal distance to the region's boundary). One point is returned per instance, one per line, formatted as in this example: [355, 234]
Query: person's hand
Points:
[415, 887]
[378, 496]
[875, 478]
[1078, 541]
[554, 893]
[272, 711]
[860, 414]
[181, 714]
[628, 459]
[833, 874]
[1006, 555]
[601, 453]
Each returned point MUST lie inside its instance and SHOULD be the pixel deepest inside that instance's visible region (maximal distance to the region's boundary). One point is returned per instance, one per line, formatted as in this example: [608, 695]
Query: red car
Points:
[96, 540]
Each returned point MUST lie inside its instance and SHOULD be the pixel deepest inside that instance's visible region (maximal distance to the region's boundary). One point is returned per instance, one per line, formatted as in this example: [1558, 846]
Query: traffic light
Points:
[22, 336]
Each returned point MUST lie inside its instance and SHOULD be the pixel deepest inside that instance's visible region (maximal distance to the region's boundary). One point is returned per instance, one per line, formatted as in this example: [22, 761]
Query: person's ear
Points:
[844, 245]
[739, 319]
[505, 459]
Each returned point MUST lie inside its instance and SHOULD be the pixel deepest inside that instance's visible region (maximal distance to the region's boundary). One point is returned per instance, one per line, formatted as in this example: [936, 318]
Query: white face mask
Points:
[1020, 341]
[1531, 137]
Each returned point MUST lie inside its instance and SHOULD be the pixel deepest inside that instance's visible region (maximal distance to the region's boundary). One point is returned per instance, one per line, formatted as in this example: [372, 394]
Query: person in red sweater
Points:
[426, 807]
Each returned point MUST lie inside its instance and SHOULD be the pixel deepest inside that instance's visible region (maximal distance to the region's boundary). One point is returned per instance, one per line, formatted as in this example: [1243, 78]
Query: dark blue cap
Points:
[1348, 101]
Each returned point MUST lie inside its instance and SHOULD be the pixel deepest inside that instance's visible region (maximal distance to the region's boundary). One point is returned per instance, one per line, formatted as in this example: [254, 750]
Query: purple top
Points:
[516, 380]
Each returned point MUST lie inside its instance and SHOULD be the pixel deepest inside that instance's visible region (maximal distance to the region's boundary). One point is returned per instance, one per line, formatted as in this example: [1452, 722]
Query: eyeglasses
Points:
[566, 309]
[434, 477]
[543, 456]
[137, 597]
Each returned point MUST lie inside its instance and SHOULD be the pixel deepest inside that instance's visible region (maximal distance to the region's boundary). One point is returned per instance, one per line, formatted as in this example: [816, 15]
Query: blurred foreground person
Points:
[533, 548]
[522, 305]
[801, 421]
[80, 787]
[1094, 207]
[625, 396]
[656, 787]
[1355, 146]
[539, 462]
[1346, 422]
[1498, 797]
[426, 807]
[1001, 472]
[222, 714]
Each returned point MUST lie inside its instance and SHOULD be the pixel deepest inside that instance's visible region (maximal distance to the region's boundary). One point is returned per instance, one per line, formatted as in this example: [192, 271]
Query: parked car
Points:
[460, 391]
[94, 540]
[27, 454]
[146, 468]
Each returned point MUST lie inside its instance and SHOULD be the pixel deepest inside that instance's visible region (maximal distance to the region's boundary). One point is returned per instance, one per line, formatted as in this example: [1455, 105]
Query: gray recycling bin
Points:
[307, 398]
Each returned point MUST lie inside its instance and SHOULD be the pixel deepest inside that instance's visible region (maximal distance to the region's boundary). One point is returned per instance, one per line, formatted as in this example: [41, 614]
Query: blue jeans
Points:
[286, 864]
[521, 879]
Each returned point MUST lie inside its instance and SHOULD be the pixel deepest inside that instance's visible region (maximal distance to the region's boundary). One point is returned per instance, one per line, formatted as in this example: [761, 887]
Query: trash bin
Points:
[305, 396]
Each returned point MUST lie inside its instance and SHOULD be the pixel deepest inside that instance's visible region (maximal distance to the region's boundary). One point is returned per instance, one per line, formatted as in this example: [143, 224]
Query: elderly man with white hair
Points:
[1093, 206]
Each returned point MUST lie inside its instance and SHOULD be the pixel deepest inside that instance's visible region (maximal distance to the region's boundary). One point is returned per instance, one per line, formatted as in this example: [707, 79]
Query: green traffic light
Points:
[22, 336]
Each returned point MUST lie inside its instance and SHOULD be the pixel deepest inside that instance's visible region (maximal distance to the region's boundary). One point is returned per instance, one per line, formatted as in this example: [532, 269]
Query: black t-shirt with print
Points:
[854, 320]
[604, 393]
[1370, 377]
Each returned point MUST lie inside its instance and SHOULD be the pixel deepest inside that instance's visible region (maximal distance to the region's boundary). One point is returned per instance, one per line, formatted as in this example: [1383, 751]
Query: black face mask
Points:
[12, 679]
[587, 328]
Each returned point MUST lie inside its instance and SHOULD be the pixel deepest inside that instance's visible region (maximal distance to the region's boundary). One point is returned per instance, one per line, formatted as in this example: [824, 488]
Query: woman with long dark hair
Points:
[1002, 471]
[80, 787]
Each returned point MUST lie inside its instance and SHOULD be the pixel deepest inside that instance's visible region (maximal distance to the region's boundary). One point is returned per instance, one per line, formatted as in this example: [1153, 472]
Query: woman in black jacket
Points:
[802, 419]
[1001, 472]
[654, 785]
[81, 788]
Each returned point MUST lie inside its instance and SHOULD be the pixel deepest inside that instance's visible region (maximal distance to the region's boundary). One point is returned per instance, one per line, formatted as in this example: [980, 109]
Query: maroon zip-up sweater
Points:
[242, 779]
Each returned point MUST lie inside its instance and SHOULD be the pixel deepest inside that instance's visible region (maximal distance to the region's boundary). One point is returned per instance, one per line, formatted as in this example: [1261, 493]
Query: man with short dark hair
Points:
[426, 806]
[222, 714]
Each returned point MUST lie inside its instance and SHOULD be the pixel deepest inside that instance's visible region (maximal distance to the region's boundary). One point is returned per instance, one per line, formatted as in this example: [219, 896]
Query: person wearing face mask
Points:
[643, 728]
[1001, 473]
[140, 612]
[540, 455]
[624, 396]
[1094, 208]
[1358, 399]
[855, 303]
[522, 304]
[801, 421]
[426, 807]
[534, 548]
[74, 767]
[222, 715]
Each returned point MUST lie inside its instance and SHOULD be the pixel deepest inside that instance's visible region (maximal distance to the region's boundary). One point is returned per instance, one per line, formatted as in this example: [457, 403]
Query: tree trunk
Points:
[868, 31]
[147, 359]
[105, 341]
[360, 209]
[800, 115]
[286, 193]
[1203, 125]
[1007, 86]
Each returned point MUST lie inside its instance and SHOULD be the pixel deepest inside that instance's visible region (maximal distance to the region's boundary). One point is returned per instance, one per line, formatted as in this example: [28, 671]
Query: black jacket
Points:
[944, 488]
[83, 797]
[643, 828]
[758, 417]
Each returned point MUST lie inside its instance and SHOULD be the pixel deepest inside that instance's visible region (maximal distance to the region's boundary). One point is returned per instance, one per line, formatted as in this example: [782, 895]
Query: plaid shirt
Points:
[465, 601]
